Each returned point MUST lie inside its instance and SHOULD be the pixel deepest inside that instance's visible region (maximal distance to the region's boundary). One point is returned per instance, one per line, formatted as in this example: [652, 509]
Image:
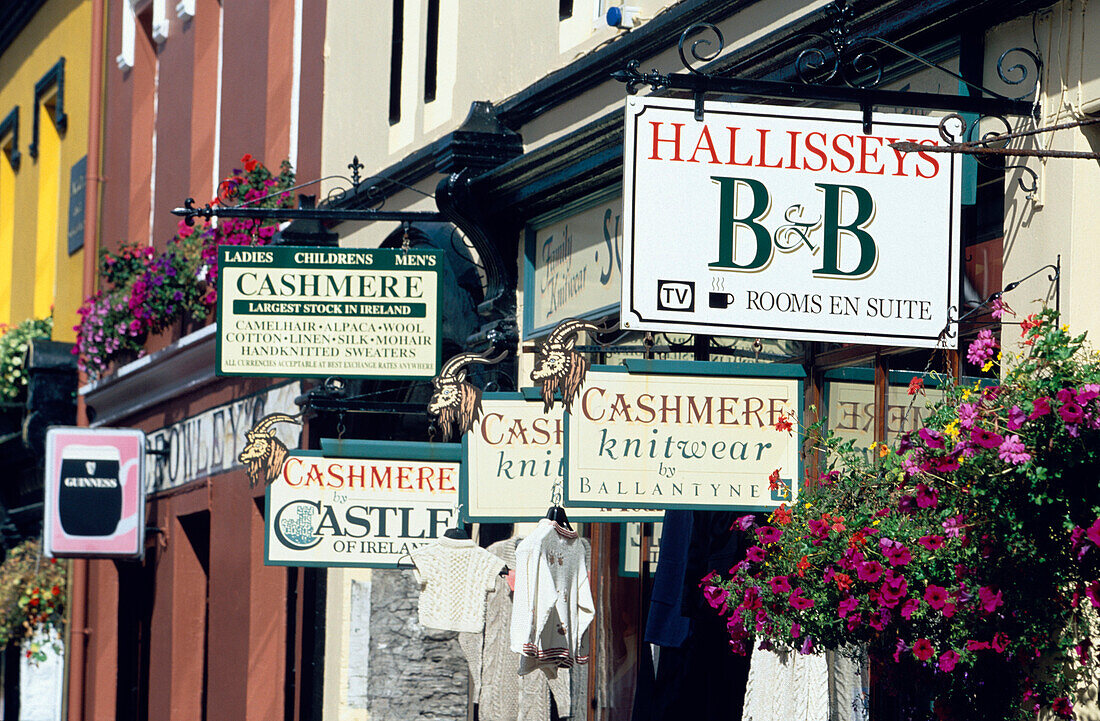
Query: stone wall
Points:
[415, 672]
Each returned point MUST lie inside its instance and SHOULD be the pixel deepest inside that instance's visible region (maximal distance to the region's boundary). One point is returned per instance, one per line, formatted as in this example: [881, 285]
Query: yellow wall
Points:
[36, 270]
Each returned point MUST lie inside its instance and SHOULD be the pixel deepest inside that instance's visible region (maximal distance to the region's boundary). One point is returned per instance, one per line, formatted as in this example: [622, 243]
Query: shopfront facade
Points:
[506, 120]
[553, 217]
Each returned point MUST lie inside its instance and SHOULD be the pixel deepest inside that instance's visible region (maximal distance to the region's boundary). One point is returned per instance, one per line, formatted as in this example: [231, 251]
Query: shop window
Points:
[565, 9]
[9, 156]
[396, 50]
[431, 53]
[48, 151]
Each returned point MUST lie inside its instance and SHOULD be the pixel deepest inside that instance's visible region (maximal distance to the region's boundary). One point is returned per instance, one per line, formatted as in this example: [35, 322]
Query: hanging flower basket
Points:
[146, 292]
[965, 558]
[32, 599]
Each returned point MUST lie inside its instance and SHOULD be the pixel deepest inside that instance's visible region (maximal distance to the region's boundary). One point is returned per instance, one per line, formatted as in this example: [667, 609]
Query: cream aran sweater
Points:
[455, 574]
[553, 604]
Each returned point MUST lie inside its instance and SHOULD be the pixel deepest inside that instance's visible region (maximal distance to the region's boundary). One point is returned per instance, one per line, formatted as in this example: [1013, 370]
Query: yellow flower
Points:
[1065, 328]
[951, 430]
[808, 504]
[876, 521]
[988, 365]
[873, 444]
[966, 394]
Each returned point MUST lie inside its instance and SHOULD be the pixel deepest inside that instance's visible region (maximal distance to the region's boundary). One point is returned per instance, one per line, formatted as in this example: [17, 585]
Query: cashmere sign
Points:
[513, 459]
[327, 508]
[670, 435]
[316, 312]
[789, 223]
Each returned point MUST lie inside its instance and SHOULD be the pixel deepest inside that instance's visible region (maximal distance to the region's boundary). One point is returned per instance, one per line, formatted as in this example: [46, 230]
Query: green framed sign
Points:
[685, 434]
[363, 504]
[316, 312]
[513, 457]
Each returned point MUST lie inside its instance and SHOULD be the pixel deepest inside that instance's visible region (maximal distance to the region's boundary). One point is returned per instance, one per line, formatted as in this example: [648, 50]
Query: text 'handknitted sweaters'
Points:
[553, 604]
[455, 575]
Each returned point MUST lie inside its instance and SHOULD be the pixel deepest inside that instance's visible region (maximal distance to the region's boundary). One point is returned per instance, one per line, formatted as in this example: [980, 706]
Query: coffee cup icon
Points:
[720, 300]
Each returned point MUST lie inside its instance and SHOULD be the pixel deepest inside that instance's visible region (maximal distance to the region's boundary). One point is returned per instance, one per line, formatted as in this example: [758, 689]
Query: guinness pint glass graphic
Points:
[90, 494]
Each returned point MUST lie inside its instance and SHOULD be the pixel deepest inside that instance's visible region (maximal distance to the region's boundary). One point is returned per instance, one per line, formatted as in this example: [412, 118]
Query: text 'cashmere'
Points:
[455, 575]
[553, 604]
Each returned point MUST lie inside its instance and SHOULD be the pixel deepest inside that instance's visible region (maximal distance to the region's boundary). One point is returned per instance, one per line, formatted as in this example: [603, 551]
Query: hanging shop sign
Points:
[94, 500]
[630, 549]
[360, 503]
[849, 400]
[574, 263]
[513, 460]
[315, 312]
[215, 440]
[678, 434]
[790, 223]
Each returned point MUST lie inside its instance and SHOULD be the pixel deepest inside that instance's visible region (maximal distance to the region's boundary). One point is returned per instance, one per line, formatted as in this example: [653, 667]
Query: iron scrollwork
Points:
[836, 66]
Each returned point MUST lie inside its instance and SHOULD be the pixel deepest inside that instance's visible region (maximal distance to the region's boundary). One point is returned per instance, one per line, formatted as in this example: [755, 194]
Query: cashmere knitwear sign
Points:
[455, 575]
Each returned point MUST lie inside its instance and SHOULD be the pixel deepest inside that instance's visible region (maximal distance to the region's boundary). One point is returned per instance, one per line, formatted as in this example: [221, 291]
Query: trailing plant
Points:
[13, 348]
[32, 599]
[965, 558]
[145, 291]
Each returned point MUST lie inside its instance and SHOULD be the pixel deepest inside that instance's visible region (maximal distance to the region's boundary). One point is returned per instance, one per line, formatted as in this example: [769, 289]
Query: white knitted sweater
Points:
[553, 604]
[455, 575]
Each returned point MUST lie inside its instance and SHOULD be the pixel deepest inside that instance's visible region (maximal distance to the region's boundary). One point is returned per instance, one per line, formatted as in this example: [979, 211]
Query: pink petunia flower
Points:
[947, 661]
[935, 596]
[922, 649]
[1013, 451]
[932, 543]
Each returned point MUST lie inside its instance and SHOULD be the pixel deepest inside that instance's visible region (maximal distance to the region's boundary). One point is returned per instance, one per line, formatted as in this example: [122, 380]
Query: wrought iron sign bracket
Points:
[837, 56]
[222, 207]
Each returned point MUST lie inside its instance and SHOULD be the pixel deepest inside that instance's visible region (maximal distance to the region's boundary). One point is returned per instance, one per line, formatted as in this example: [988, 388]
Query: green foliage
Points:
[13, 348]
[32, 598]
[964, 558]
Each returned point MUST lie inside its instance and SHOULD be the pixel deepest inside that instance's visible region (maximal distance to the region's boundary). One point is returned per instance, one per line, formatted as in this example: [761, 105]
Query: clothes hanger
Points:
[458, 531]
[556, 513]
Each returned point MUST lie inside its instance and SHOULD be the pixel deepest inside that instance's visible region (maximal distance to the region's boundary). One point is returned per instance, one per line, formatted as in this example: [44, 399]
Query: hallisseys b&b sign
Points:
[685, 435]
[782, 222]
[314, 312]
[360, 503]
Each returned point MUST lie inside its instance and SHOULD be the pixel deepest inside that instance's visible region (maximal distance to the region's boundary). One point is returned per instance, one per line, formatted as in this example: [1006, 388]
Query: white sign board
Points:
[513, 457]
[574, 264]
[656, 440]
[316, 312]
[790, 223]
[94, 499]
[367, 512]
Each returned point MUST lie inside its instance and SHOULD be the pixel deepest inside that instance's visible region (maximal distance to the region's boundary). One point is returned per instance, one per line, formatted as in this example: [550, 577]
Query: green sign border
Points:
[438, 270]
[704, 368]
[381, 450]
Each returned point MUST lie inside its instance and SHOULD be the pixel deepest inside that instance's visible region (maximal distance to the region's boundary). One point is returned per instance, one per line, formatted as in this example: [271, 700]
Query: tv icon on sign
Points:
[676, 295]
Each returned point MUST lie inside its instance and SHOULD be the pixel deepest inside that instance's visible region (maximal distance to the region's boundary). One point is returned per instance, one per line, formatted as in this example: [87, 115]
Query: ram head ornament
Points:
[455, 403]
[558, 366]
[263, 453]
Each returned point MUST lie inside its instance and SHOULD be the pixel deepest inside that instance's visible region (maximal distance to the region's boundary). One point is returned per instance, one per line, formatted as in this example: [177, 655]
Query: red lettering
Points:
[845, 153]
[334, 471]
[865, 153]
[764, 150]
[446, 481]
[931, 160]
[353, 476]
[657, 140]
[819, 151]
[425, 477]
[792, 162]
[380, 481]
[485, 428]
[584, 403]
[403, 479]
[286, 470]
[709, 147]
[733, 148]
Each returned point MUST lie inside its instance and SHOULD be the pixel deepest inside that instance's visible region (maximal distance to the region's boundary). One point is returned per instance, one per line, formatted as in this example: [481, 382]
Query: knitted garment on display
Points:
[455, 575]
[553, 604]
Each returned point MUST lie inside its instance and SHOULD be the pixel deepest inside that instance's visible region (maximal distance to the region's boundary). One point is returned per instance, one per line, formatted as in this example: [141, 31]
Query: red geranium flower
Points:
[773, 480]
[916, 386]
[784, 424]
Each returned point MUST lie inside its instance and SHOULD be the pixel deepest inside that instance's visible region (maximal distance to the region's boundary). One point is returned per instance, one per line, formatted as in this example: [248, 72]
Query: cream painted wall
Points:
[344, 624]
[1062, 216]
[488, 50]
